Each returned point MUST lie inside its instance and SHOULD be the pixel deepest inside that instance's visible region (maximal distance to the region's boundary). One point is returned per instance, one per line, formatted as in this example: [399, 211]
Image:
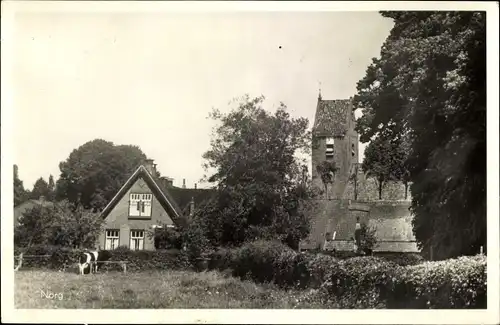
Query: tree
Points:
[379, 162]
[327, 170]
[40, 188]
[20, 194]
[62, 224]
[52, 189]
[261, 191]
[429, 86]
[94, 172]
[36, 226]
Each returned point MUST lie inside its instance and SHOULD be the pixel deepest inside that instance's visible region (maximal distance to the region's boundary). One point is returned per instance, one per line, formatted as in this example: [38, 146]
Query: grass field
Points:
[165, 289]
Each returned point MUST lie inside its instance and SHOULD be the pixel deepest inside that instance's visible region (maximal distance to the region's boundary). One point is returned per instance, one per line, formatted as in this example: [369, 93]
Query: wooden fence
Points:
[21, 256]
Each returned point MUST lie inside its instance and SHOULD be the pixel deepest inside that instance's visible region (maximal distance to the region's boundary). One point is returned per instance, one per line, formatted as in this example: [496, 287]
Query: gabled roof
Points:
[160, 192]
[183, 196]
[332, 117]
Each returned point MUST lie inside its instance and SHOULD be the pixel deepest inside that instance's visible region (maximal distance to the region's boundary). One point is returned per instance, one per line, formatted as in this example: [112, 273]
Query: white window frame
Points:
[137, 239]
[140, 204]
[114, 236]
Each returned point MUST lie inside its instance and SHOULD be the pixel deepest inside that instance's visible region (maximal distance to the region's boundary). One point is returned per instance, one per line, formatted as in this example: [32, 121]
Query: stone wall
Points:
[368, 190]
[391, 220]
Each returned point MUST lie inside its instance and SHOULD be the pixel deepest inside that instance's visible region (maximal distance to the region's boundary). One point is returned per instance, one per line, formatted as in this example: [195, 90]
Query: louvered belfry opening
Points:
[329, 148]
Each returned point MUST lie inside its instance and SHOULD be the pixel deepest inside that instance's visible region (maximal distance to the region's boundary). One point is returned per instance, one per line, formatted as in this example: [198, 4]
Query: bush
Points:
[403, 259]
[359, 282]
[453, 283]
[221, 259]
[319, 266]
[61, 258]
[257, 260]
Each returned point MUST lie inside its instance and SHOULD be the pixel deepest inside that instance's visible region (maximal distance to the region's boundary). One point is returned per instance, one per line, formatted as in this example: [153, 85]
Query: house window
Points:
[329, 148]
[140, 205]
[353, 150]
[137, 240]
[112, 239]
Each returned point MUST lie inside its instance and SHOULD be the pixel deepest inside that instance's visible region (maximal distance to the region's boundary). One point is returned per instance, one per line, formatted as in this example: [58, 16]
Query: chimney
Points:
[183, 183]
[195, 186]
[191, 207]
[167, 182]
[150, 166]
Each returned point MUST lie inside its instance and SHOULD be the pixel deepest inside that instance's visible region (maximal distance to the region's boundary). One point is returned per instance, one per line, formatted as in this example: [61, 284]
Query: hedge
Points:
[358, 282]
[62, 258]
[363, 282]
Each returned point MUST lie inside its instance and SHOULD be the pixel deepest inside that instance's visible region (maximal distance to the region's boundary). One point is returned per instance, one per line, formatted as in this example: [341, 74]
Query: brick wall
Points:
[118, 218]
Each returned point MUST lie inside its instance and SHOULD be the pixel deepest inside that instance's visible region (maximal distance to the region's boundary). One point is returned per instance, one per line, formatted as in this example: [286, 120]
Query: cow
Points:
[92, 259]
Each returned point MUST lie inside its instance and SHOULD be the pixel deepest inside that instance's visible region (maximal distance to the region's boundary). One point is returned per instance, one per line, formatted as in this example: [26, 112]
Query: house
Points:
[144, 203]
[27, 205]
[333, 219]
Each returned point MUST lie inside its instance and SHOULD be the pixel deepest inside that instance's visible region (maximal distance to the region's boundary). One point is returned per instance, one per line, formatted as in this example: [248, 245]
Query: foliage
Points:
[64, 258]
[362, 282]
[368, 239]
[58, 224]
[40, 188]
[94, 172]
[428, 87]
[20, 194]
[195, 238]
[326, 170]
[269, 261]
[453, 283]
[382, 161]
[51, 189]
[166, 237]
[260, 186]
[403, 259]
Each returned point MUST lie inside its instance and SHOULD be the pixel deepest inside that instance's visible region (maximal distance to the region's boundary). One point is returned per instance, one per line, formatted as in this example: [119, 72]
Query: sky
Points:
[151, 79]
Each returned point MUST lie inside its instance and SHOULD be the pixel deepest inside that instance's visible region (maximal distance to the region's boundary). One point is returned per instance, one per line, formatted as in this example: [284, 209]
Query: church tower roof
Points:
[332, 117]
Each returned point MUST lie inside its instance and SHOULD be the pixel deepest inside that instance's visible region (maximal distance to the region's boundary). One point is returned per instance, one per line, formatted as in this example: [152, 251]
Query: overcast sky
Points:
[151, 79]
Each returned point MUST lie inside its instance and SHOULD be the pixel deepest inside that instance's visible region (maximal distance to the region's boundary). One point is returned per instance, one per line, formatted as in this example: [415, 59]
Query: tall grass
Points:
[155, 289]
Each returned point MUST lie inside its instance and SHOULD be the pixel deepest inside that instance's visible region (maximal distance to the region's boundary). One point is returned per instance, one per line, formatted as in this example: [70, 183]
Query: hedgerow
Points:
[62, 258]
[358, 282]
[364, 282]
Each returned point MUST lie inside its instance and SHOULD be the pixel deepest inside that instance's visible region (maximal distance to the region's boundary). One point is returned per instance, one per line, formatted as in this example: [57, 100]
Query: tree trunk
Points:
[406, 190]
[355, 188]
[380, 183]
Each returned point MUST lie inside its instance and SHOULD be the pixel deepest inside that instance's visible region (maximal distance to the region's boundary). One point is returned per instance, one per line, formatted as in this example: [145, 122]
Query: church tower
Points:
[334, 139]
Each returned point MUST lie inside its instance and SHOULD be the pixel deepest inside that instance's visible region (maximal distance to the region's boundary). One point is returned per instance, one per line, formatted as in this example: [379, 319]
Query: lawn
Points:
[161, 289]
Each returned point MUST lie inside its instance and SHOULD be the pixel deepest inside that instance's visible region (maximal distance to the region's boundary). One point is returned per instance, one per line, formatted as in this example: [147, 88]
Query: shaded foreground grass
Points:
[161, 289]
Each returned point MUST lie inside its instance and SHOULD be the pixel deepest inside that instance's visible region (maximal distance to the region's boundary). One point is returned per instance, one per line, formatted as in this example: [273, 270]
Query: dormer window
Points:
[329, 148]
[140, 205]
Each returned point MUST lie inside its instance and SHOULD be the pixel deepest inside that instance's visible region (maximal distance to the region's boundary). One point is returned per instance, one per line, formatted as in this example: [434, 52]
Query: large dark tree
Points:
[259, 180]
[95, 171]
[429, 87]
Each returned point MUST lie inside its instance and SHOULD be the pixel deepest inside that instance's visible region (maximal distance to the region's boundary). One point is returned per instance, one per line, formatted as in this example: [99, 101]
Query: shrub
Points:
[257, 259]
[359, 282]
[61, 258]
[453, 283]
[221, 259]
[404, 259]
[319, 266]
